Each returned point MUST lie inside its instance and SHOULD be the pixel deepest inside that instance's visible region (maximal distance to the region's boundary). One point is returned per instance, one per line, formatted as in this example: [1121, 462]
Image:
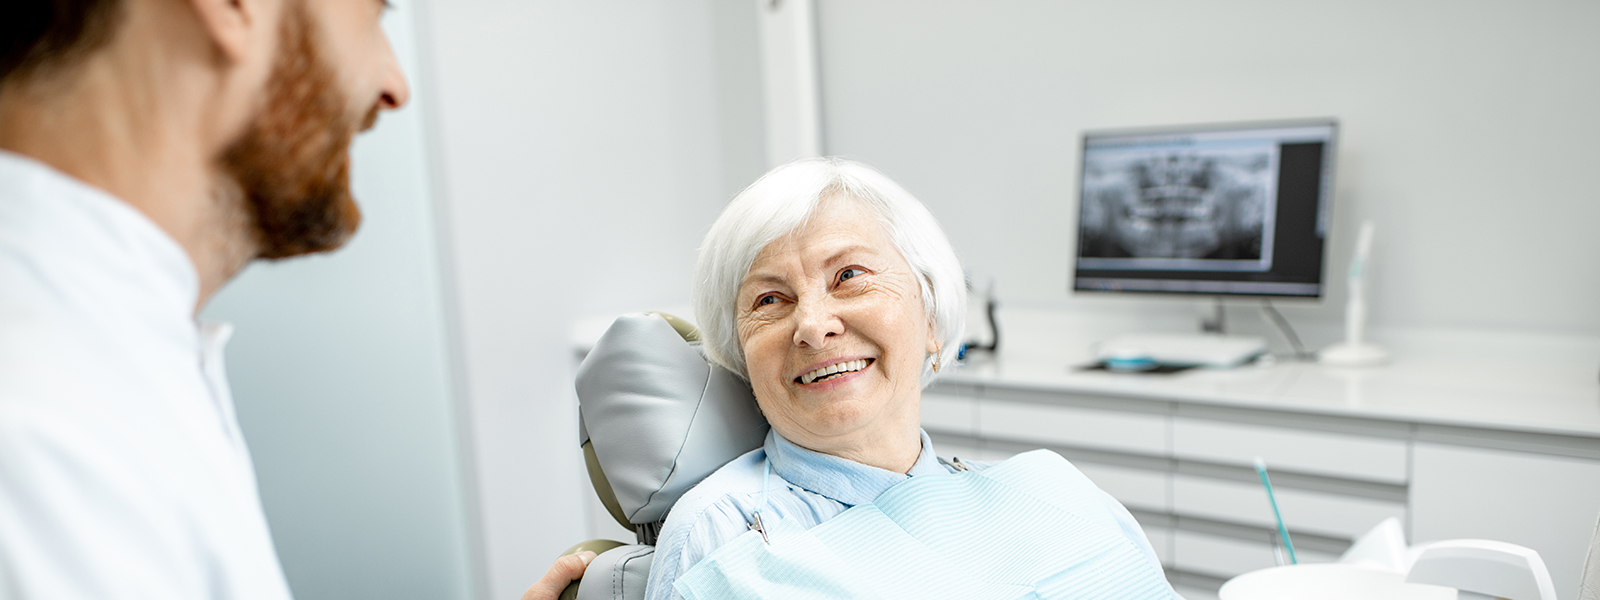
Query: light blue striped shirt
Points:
[807, 488]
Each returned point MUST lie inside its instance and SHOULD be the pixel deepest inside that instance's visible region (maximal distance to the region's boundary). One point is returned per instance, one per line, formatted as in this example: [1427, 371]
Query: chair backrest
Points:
[656, 418]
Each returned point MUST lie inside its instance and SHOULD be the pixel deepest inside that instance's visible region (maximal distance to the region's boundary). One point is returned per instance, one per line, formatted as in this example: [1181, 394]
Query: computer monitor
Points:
[1221, 210]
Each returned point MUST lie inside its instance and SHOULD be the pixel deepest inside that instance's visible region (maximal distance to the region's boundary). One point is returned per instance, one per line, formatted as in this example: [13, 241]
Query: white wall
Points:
[582, 149]
[585, 148]
[1468, 134]
[341, 373]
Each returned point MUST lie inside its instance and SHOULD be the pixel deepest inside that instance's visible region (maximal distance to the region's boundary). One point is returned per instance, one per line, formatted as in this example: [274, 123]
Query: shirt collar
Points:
[95, 247]
[841, 479]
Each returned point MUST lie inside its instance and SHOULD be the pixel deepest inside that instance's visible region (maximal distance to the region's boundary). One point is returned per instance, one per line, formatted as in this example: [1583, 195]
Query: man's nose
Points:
[815, 323]
[393, 92]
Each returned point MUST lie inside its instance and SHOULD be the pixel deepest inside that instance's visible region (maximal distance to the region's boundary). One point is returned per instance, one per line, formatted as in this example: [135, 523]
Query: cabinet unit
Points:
[1323, 513]
[1542, 501]
[1224, 556]
[1072, 422]
[1185, 469]
[1292, 447]
[1138, 489]
[950, 411]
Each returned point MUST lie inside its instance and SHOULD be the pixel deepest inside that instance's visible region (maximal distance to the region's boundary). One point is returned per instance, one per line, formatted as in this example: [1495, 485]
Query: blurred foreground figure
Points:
[149, 150]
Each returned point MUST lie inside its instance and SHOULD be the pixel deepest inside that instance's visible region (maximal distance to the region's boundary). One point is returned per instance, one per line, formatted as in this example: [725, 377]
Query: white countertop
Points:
[1473, 394]
[1495, 380]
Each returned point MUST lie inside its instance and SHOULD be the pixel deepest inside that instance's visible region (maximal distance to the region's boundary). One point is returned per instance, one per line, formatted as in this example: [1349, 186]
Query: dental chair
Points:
[655, 418]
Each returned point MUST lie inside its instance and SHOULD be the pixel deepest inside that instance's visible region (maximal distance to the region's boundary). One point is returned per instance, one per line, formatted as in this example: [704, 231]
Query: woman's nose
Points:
[815, 324]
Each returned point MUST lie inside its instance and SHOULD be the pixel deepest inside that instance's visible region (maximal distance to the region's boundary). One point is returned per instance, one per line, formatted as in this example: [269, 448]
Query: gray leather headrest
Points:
[658, 417]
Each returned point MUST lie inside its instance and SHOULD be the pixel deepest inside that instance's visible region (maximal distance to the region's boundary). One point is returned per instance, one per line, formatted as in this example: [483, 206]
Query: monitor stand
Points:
[1217, 323]
[1211, 347]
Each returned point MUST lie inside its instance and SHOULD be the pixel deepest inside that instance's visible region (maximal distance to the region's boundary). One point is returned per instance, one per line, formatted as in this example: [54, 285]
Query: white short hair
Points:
[781, 202]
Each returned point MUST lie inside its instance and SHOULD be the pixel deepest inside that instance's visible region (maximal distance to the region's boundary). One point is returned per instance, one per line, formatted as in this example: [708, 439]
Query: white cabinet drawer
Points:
[1219, 556]
[1311, 512]
[1141, 433]
[1134, 488]
[1339, 455]
[1160, 540]
[1543, 502]
[950, 413]
[1227, 557]
[1194, 593]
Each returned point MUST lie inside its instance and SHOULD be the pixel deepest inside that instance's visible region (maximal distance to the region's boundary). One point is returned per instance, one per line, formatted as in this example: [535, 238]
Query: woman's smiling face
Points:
[834, 334]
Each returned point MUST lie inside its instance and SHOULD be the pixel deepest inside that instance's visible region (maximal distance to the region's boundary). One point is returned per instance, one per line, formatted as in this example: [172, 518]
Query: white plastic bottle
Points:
[1355, 351]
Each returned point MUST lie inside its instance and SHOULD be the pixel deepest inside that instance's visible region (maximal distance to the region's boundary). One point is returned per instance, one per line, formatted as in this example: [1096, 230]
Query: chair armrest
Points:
[625, 567]
[598, 547]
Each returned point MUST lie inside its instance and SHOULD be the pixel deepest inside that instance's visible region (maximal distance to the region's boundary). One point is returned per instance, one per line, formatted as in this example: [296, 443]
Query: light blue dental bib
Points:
[1032, 527]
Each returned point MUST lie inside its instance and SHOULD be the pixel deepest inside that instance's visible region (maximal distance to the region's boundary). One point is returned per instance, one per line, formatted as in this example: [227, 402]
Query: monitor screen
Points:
[1221, 209]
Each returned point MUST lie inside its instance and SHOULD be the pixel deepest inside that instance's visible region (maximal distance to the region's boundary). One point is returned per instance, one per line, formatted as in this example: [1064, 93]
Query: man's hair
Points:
[42, 35]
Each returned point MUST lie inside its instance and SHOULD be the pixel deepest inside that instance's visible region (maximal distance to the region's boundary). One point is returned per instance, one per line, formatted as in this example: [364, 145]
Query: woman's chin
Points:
[824, 430]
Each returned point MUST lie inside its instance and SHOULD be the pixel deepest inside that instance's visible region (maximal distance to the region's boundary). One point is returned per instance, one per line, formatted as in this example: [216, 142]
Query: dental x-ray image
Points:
[1179, 206]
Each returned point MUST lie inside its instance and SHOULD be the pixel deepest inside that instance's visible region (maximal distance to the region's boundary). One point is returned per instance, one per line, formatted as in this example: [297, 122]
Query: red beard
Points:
[293, 160]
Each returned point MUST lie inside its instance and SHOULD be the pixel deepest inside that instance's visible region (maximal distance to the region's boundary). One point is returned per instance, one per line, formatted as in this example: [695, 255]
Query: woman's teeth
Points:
[828, 372]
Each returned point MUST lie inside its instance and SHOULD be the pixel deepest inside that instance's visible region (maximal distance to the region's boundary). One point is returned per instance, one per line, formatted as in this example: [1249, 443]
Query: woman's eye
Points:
[849, 273]
[765, 300]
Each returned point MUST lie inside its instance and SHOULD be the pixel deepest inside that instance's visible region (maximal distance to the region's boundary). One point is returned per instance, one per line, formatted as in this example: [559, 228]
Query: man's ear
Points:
[233, 25]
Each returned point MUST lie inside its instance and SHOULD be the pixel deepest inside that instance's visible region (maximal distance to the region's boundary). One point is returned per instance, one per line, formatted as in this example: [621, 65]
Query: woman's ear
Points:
[234, 26]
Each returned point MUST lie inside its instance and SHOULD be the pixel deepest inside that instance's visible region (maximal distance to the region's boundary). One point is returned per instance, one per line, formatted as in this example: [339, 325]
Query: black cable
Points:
[1286, 329]
[994, 328]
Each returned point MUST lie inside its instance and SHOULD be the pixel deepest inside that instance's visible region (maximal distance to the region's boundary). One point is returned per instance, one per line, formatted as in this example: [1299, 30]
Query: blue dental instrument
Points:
[1261, 469]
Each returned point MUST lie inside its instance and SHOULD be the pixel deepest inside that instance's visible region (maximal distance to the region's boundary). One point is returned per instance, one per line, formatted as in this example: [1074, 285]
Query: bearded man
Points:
[149, 150]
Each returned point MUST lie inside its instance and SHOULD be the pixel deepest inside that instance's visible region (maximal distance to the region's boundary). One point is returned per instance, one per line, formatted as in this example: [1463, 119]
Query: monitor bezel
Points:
[1331, 173]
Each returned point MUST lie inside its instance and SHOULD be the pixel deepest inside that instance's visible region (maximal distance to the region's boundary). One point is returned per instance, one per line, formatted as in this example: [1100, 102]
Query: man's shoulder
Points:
[41, 359]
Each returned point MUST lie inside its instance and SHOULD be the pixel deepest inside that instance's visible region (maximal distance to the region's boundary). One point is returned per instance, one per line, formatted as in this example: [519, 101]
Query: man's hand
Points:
[566, 569]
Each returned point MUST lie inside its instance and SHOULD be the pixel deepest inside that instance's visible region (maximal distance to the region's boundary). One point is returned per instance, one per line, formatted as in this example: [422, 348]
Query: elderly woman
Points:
[836, 294]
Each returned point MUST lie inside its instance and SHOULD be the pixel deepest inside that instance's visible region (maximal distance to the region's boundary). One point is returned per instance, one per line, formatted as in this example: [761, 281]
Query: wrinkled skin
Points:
[838, 290]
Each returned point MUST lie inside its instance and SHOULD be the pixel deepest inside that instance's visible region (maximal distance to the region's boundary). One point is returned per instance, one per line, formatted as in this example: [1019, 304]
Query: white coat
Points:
[122, 470]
